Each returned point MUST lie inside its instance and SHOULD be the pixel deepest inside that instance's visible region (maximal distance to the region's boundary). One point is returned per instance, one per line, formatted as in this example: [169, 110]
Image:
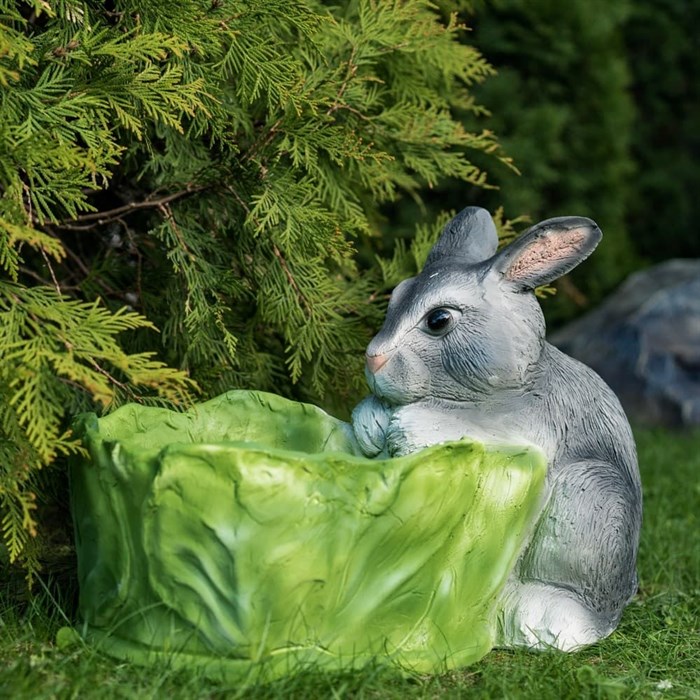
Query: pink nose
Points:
[376, 362]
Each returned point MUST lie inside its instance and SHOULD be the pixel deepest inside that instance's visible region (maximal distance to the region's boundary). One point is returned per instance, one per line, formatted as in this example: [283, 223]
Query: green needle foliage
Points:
[207, 169]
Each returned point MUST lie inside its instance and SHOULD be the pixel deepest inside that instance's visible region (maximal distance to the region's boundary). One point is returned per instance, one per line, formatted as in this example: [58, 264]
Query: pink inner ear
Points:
[543, 253]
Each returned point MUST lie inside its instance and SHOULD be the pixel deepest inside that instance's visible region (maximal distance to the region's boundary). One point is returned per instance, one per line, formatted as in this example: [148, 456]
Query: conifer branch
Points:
[56, 285]
[238, 198]
[263, 141]
[277, 252]
[108, 289]
[100, 218]
[302, 298]
[112, 379]
[34, 275]
[168, 216]
[349, 75]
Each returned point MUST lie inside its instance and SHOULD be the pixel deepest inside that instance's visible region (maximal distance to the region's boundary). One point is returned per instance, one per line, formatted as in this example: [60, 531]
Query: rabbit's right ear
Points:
[469, 238]
[547, 251]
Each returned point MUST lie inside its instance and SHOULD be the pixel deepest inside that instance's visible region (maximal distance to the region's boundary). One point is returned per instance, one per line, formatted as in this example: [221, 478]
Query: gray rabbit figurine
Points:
[462, 353]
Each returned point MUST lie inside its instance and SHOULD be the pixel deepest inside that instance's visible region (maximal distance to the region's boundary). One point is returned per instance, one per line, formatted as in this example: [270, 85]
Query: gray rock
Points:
[644, 341]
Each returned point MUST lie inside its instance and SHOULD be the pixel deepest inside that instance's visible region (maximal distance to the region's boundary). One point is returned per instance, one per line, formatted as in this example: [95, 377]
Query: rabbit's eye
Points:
[439, 321]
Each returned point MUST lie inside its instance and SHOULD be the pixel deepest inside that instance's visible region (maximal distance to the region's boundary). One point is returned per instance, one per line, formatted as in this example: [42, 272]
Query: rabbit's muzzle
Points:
[376, 362]
[398, 376]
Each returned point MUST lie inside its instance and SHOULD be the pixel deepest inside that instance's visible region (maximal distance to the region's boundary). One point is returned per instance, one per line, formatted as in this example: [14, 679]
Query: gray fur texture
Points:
[462, 353]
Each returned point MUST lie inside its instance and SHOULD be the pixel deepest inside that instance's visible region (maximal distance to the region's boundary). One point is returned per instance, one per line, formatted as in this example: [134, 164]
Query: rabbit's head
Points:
[469, 324]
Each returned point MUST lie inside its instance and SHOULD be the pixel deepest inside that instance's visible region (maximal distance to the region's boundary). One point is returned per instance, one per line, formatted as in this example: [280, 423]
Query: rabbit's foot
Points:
[541, 616]
[370, 420]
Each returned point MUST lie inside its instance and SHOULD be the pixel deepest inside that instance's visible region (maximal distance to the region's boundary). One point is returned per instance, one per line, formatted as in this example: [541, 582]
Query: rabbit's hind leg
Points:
[540, 616]
[578, 572]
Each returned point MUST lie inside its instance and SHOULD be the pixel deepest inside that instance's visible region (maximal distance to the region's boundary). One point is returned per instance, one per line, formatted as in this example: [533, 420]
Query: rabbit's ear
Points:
[468, 238]
[547, 251]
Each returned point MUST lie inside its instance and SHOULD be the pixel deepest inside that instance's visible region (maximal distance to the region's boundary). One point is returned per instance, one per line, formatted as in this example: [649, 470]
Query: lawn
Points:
[655, 653]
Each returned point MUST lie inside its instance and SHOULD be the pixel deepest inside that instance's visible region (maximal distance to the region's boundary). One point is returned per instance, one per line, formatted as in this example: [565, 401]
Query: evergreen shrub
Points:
[183, 187]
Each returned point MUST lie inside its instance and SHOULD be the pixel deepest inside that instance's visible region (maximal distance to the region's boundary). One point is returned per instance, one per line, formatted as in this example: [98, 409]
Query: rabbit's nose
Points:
[376, 362]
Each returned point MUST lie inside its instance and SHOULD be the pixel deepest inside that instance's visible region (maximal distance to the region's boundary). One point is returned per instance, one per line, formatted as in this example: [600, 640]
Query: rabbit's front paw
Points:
[370, 420]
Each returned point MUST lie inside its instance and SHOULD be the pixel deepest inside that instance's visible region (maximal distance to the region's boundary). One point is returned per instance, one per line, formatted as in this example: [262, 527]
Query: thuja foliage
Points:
[183, 188]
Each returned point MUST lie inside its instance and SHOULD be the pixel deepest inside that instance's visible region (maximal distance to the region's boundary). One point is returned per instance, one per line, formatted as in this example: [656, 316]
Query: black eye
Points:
[439, 321]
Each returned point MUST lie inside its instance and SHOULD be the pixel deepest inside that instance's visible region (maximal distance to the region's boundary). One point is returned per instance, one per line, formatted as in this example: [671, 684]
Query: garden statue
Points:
[462, 353]
[485, 494]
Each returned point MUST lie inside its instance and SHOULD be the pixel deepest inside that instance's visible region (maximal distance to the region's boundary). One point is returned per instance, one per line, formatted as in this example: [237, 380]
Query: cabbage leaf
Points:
[249, 538]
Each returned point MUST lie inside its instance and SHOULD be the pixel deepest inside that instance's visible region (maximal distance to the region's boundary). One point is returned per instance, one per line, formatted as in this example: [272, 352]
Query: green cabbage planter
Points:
[247, 538]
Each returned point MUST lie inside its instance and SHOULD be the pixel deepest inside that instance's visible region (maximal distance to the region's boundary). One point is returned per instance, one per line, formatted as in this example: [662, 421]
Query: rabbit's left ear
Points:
[547, 251]
[469, 238]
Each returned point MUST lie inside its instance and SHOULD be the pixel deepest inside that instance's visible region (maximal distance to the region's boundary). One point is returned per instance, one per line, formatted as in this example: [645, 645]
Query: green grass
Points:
[655, 653]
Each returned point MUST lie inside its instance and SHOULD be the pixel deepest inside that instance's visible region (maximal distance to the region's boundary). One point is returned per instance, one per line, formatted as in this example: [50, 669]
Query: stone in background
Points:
[644, 340]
